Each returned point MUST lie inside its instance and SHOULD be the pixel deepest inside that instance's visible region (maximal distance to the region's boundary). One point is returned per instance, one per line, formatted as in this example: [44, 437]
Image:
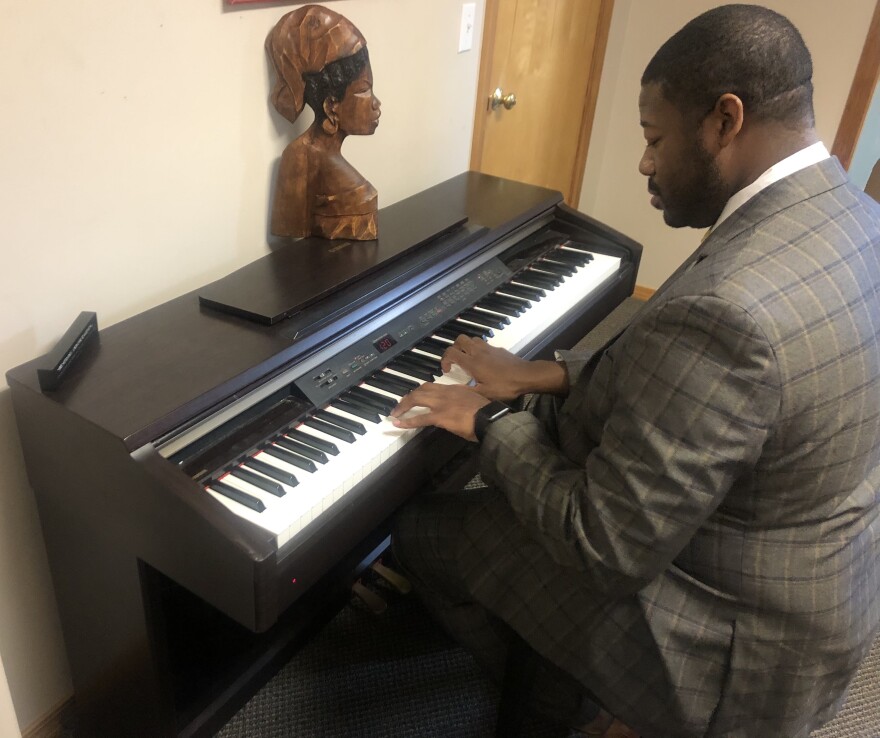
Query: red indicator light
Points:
[293, 581]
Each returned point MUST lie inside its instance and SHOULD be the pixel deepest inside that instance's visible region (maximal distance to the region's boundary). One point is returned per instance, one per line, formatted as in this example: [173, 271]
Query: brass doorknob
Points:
[499, 98]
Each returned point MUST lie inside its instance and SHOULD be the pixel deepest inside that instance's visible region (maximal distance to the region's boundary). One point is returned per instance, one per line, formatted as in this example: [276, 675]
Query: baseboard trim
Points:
[52, 725]
[643, 293]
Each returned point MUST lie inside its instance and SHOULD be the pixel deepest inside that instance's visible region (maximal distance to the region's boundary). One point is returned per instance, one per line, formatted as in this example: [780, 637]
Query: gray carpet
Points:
[398, 676]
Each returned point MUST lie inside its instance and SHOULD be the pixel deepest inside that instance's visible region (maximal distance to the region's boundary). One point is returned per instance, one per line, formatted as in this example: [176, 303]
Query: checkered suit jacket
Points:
[708, 498]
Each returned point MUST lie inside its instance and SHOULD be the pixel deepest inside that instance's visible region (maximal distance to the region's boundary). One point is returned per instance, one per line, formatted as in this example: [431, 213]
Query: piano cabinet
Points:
[174, 609]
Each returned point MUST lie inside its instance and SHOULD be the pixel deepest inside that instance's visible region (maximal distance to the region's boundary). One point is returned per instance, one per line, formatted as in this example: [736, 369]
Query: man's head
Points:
[723, 99]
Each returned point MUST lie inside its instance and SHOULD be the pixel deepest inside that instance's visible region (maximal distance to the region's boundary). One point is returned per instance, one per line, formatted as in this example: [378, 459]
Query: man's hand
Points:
[447, 406]
[501, 375]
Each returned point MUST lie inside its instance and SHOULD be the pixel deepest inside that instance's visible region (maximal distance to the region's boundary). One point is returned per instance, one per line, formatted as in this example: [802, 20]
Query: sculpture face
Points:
[358, 111]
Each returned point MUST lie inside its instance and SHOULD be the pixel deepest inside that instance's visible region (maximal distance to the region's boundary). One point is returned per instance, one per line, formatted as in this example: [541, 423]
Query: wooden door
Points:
[548, 53]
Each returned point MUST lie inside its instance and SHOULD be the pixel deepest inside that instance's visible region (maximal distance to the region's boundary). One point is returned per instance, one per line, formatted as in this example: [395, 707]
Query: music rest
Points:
[302, 272]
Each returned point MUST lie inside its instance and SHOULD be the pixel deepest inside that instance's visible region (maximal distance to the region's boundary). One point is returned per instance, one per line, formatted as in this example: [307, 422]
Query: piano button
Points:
[258, 480]
[480, 317]
[271, 471]
[291, 458]
[302, 449]
[409, 368]
[353, 406]
[242, 498]
[379, 401]
[521, 290]
[310, 439]
[329, 429]
[352, 426]
[392, 383]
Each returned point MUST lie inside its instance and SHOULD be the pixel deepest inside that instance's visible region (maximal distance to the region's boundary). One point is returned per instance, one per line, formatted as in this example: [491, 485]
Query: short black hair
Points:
[748, 50]
[333, 80]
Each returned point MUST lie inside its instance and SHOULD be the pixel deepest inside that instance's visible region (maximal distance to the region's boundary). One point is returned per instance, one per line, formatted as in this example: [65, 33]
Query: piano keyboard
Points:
[296, 476]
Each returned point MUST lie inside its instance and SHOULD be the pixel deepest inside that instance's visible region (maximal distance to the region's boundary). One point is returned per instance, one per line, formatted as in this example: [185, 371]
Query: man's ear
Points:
[726, 119]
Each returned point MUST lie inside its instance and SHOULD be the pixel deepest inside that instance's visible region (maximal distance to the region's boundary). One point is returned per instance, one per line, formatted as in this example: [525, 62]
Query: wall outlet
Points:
[466, 34]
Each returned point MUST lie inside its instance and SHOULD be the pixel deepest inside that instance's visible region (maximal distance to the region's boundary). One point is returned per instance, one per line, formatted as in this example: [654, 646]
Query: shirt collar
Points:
[802, 159]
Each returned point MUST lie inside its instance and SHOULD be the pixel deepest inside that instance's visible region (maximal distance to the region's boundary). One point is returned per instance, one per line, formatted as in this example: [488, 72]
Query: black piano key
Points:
[346, 423]
[433, 346]
[330, 429]
[302, 449]
[291, 458]
[574, 258]
[392, 383]
[490, 321]
[521, 290]
[258, 480]
[477, 331]
[328, 447]
[353, 406]
[580, 249]
[380, 402]
[428, 362]
[561, 270]
[454, 329]
[271, 471]
[242, 498]
[410, 369]
[534, 278]
[499, 305]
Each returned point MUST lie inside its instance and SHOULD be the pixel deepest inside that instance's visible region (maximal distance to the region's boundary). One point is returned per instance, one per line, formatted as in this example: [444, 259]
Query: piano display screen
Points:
[384, 343]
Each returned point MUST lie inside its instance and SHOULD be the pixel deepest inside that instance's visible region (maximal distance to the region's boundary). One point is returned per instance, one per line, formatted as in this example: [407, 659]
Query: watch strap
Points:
[487, 415]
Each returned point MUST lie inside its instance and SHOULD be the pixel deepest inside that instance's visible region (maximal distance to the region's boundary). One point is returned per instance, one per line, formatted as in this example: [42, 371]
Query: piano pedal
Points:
[368, 598]
[391, 577]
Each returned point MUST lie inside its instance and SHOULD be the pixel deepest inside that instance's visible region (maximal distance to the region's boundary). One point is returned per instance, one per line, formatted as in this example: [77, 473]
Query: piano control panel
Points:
[401, 333]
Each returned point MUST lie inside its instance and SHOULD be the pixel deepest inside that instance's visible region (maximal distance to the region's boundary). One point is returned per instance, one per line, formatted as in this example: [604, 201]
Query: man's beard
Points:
[699, 198]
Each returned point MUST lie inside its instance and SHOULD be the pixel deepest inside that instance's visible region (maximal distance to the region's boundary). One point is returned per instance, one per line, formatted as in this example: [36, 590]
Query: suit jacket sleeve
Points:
[685, 402]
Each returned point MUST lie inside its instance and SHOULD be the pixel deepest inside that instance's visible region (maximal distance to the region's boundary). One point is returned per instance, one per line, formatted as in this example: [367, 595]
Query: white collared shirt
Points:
[802, 159]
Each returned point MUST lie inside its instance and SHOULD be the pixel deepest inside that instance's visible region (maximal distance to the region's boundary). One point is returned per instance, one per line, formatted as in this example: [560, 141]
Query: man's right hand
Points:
[501, 375]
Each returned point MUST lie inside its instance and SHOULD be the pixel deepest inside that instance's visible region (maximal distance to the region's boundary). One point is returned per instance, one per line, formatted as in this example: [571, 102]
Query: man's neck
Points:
[765, 145]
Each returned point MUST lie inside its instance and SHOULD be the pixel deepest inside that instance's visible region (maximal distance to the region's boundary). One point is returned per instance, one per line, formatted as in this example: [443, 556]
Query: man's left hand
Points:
[447, 406]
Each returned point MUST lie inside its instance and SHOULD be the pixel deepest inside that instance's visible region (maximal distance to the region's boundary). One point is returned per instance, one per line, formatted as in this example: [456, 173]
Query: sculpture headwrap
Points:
[303, 42]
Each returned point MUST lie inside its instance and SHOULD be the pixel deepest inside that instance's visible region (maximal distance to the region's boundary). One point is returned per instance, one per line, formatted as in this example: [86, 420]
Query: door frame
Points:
[485, 86]
[860, 94]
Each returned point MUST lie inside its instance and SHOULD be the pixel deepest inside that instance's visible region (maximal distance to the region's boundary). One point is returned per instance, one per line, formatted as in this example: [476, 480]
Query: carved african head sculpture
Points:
[321, 60]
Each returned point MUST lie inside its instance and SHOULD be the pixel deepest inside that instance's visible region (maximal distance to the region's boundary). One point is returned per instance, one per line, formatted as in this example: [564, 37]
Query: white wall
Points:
[613, 190]
[137, 152]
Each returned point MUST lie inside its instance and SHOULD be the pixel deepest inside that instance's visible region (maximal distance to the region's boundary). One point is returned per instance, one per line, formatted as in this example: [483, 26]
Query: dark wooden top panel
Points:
[148, 374]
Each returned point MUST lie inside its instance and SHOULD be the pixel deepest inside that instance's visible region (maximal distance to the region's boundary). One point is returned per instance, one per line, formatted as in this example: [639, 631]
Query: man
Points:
[691, 538]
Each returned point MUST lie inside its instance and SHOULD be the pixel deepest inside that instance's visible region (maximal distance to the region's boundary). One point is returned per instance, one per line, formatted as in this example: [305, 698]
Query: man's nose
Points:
[646, 165]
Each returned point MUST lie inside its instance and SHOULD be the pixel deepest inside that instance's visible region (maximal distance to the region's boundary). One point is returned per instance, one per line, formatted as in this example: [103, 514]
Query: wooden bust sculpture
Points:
[321, 59]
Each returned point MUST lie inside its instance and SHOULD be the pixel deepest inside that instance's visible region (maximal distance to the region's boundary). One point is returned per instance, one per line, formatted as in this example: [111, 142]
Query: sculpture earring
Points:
[330, 126]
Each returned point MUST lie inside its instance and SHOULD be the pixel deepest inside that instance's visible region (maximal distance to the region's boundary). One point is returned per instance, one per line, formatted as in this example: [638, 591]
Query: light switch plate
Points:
[466, 34]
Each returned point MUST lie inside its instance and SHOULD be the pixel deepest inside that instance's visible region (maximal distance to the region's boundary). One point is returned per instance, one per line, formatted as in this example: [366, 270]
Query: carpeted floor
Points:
[398, 676]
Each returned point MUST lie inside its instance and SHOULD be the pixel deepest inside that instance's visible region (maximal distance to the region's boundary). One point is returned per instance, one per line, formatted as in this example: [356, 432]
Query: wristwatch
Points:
[486, 415]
